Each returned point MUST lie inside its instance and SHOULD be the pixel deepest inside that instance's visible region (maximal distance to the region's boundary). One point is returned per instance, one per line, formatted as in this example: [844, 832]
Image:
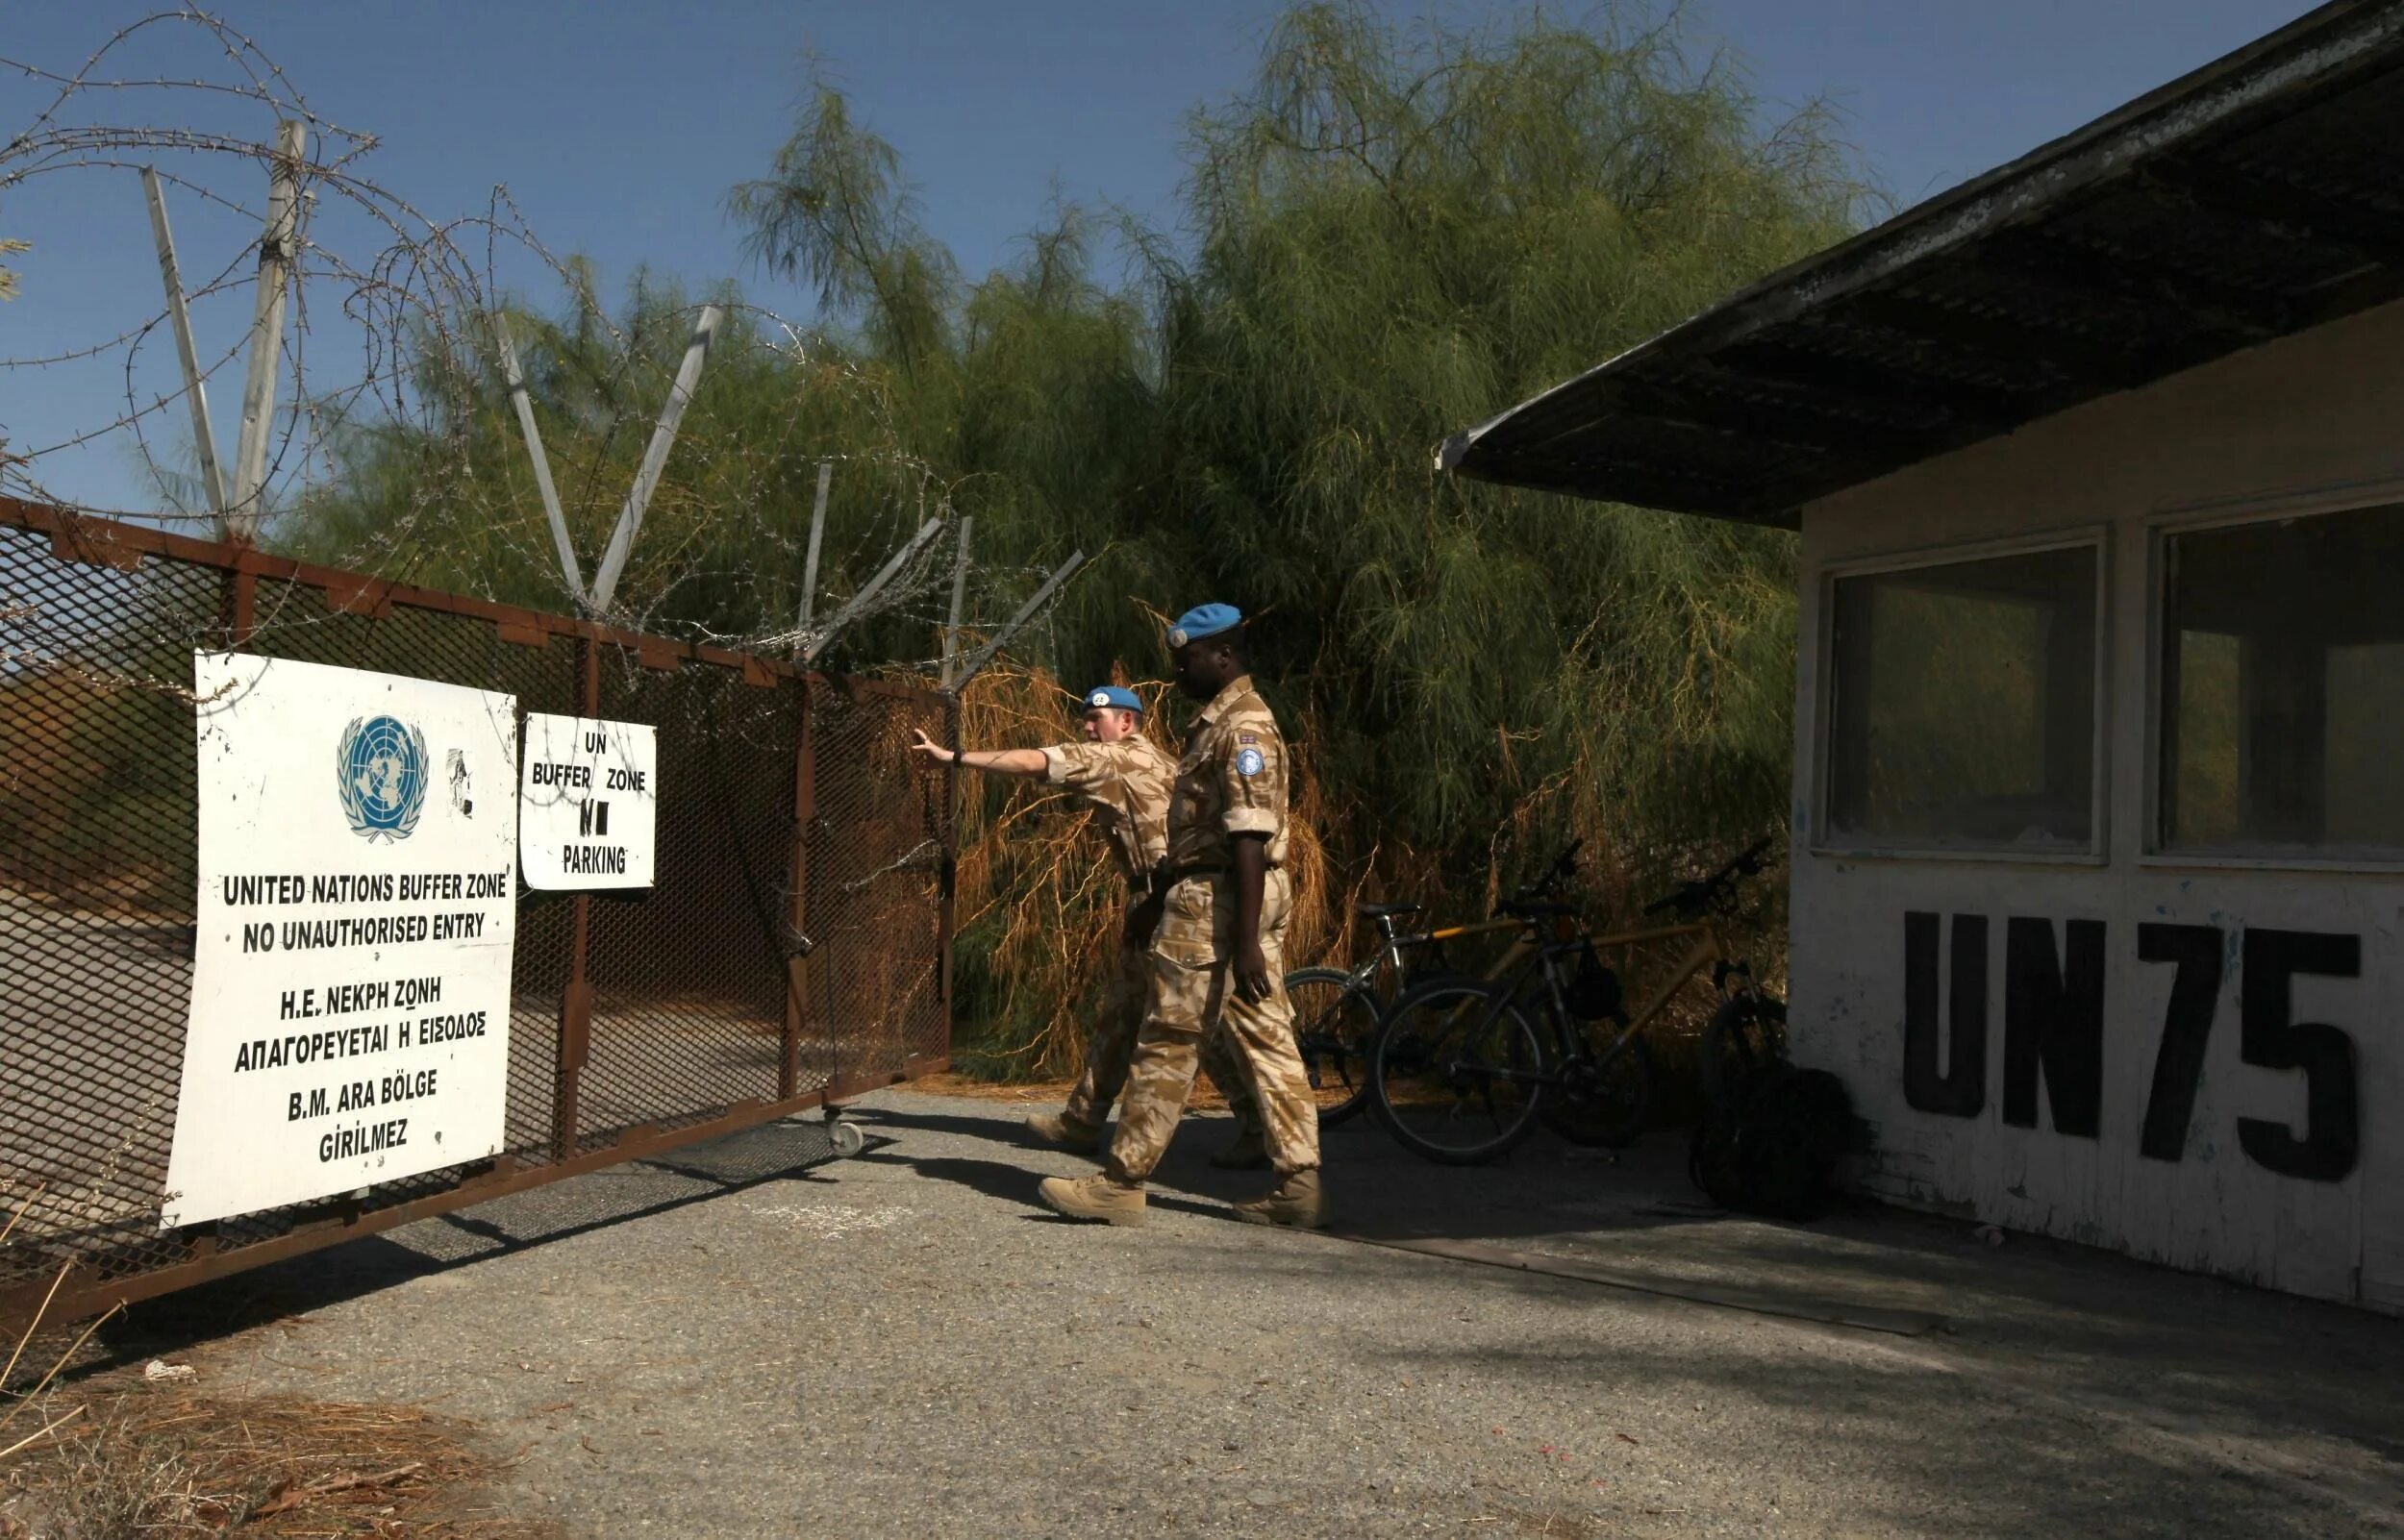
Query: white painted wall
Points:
[2312, 421]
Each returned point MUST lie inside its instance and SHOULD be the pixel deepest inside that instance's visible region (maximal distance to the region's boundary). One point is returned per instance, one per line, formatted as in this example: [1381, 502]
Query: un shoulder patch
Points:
[1248, 762]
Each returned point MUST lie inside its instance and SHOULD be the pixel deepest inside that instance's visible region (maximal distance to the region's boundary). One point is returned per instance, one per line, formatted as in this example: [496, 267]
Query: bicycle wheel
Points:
[1458, 1073]
[1334, 1023]
[1747, 1033]
[1603, 1103]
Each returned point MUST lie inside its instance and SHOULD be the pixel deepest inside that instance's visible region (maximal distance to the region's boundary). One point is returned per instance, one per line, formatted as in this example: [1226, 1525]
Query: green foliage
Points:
[1393, 233]
[1402, 235]
[832, 213]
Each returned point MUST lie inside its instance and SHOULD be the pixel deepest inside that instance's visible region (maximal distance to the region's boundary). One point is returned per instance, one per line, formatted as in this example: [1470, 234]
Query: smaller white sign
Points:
[587, 803]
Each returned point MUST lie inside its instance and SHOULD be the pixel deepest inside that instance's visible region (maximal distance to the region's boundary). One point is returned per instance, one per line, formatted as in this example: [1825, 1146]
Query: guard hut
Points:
[2098, 809]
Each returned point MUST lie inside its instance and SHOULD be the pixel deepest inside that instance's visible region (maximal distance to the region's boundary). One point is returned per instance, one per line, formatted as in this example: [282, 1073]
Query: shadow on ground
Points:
[2115, 1330]
[2064, 1386]
[1352, 1390]
[782, 1151]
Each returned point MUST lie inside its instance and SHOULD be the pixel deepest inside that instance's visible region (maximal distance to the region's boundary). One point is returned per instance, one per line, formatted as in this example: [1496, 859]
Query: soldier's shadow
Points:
[1183, 1167]
[1012, 1183]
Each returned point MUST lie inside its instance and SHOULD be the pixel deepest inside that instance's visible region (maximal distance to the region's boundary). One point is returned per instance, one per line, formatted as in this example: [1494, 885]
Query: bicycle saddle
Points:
[1381, 911]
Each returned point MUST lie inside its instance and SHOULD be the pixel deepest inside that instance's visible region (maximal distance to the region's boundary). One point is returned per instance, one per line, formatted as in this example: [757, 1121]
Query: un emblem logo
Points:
[380, 768]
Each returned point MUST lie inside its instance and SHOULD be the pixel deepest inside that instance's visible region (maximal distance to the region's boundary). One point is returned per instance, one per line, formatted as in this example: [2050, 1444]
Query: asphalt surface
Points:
[747, 1339]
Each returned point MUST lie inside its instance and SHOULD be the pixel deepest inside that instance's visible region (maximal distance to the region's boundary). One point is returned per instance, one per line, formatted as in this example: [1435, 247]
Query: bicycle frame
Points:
[1709, 951]
[1588, 1084]
[1529, 952]
[1390, 947]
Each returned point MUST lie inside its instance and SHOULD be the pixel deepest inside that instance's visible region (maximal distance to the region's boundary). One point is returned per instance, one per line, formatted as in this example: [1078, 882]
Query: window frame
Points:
[1825, 843]
[2155, 852]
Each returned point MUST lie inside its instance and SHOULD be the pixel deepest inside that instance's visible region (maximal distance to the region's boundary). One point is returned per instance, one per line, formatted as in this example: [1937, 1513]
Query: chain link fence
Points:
[794, 949]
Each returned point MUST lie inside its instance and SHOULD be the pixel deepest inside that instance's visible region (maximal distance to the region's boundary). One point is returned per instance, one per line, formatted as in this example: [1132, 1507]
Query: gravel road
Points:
[746, 1340]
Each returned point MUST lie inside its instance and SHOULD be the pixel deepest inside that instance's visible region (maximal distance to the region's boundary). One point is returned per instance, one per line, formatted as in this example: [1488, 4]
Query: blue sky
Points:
[618, 128]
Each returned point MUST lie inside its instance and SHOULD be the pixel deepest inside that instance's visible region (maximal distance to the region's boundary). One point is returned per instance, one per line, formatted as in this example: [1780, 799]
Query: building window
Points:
[1963, 705]
[2283, 686]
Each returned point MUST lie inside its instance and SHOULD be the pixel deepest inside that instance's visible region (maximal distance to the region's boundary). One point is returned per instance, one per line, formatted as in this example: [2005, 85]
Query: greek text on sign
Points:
[357, 908]
[589, 805]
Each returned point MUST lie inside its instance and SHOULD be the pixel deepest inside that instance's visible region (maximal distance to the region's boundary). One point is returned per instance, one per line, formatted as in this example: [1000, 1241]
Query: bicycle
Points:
[1460, 1073]
[1337, 1011]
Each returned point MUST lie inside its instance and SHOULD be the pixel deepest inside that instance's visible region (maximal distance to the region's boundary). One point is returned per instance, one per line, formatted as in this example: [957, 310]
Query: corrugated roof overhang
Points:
[2256, 197]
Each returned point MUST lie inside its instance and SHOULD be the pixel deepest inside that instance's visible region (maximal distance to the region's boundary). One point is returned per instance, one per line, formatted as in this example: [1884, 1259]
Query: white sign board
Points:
[589, 803]
[350, 1009]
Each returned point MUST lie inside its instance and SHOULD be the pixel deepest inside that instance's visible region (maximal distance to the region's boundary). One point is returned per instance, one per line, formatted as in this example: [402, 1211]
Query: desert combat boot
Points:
[1095, 1197]
[1296, 1200]
[1058, 1129]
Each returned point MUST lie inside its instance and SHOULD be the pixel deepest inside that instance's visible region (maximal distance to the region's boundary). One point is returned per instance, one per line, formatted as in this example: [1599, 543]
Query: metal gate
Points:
[795, 948]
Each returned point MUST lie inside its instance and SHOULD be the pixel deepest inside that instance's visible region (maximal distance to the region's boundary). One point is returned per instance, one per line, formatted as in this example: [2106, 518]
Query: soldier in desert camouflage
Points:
[1216, 958]
[1125, 779]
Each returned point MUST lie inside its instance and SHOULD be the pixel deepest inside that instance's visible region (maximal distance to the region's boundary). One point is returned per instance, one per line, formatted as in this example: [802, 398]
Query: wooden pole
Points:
[960, 600]
[654, 461]
[810, 563]
[573, 1044]
[266, 334]
[180, 322]
[798, 1017]
[570, 573]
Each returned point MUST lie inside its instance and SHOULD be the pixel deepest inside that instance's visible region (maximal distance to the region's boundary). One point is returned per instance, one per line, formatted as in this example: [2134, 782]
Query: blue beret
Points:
[1112, 695]
[1204, 620]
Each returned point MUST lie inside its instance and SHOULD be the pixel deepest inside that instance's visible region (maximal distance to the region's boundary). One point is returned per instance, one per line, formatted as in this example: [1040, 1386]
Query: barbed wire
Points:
[391, 312]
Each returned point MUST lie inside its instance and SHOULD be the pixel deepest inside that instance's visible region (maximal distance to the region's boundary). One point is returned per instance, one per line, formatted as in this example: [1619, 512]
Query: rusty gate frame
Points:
[77, 538]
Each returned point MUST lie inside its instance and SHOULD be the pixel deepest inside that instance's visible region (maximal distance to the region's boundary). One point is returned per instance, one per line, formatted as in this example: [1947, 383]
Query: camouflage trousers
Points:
[1114, 1045]
[1194, 997]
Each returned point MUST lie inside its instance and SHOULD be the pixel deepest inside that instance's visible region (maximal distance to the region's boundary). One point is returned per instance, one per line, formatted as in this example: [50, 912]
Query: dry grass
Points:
[115, 1456]
[139, 1463]
[1029, 863]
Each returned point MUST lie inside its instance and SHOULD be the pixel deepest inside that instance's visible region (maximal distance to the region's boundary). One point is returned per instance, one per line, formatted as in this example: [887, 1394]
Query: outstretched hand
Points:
[928, 750]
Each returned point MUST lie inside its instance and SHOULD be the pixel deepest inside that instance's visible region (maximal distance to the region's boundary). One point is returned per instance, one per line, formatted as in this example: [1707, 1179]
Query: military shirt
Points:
[1127, 785]
[1232, 780]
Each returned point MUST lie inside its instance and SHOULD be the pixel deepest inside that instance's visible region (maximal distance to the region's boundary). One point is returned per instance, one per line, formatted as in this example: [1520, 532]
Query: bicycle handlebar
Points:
[1750, 863]
[1564, 866]
[1692, 898]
